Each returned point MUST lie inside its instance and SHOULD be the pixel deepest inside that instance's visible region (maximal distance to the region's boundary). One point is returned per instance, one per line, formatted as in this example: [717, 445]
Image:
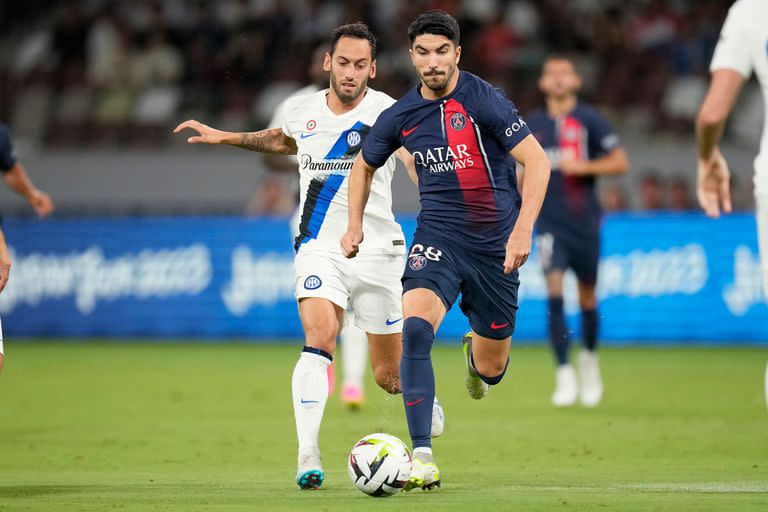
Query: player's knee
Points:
[387, 377]
[587, 296]
[418, 335]
[588, 303]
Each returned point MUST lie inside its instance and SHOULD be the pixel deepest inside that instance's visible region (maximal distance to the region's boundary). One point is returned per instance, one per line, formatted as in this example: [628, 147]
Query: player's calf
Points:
[488, 358]
[385, 351]
[387, 376]
[491, 371]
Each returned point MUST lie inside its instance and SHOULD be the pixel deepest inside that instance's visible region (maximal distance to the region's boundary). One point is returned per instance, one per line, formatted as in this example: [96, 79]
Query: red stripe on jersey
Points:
[572, 139]
[470, 162]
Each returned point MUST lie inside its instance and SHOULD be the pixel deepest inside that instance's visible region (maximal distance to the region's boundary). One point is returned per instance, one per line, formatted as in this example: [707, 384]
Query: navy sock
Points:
[589, 328]
[417, 379]
[558, 332]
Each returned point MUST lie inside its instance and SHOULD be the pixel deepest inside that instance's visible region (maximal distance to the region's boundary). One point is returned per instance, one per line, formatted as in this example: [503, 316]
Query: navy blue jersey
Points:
[571, 203]
[461, 145]
[7, 157]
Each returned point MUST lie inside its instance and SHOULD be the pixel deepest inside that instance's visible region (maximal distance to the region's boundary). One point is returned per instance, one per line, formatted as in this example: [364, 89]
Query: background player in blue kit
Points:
[474, 229]
[581, 145]
[15, 176]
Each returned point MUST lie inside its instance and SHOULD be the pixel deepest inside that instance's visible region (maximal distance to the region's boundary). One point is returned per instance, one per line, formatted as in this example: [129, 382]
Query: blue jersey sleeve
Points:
[7, 157]
[381, 141]
[602, 138]
[499, 116]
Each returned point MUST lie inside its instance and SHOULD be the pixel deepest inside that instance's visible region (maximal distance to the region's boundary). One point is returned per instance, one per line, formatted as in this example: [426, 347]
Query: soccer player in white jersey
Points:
[326, 130]
[5, 268]
[354, 341]
[742, 49]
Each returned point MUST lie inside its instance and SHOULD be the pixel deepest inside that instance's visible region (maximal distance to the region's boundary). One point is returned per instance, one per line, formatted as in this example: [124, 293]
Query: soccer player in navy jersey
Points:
[15, 176]
[581, 145]
[474, 229]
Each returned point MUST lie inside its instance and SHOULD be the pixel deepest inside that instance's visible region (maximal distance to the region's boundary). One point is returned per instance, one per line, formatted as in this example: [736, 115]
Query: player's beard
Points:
[438, 81]
[344, 96]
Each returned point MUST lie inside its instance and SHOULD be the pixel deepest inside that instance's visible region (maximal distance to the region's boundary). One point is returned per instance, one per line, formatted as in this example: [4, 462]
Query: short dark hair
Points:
[558, 56]
[357, 30]
[434, 22]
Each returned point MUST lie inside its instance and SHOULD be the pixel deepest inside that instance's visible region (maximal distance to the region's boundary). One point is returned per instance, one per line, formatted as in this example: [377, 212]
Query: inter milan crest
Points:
[458, 121]
[353, 138]
[312, 283]
[417, 262]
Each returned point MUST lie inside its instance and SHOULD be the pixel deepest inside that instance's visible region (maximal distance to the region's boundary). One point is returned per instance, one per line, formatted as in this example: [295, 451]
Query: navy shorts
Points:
[559, 253]
[488, 295]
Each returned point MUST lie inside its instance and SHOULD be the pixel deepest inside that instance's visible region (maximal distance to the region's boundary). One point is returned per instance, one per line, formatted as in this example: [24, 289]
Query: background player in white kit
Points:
[326, 130]
[743, 48]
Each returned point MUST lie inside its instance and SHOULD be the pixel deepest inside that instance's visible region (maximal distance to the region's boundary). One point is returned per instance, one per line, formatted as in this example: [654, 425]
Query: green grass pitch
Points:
[192, 427]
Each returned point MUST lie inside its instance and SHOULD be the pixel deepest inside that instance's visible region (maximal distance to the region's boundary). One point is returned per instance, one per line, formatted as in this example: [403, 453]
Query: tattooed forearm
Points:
[268, 141]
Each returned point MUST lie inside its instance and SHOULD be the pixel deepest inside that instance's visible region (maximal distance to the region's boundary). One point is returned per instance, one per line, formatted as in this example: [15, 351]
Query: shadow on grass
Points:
[30, 491]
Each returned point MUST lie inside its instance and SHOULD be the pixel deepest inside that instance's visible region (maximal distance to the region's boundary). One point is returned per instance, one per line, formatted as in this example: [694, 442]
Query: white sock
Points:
[423, 451]
[310, 392]
[354, 346]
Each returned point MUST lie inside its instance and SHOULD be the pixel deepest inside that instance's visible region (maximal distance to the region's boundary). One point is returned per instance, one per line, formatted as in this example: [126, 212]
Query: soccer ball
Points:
[380, 465]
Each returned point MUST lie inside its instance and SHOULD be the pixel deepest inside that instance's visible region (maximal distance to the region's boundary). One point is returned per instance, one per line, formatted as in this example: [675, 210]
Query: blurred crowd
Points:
[122, 72]
[654, 191]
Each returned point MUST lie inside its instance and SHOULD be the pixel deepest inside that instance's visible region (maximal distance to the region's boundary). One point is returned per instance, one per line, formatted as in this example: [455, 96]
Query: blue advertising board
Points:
[663, 278]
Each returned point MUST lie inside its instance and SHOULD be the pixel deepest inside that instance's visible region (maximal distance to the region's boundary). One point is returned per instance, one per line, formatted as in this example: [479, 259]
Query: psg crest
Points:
[417, 262]
[458, 121]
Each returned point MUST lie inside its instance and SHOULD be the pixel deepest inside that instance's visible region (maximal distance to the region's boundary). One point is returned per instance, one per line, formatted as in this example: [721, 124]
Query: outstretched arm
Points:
[272, 140]
[5, 268]
[537, 167]
[18, 180]
[713, 182]
[615, 162]
[722, 94]
[360, 178]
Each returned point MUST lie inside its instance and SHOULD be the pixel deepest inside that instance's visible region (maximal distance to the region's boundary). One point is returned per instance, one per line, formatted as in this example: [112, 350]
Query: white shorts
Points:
[1, 338]
[368, 284]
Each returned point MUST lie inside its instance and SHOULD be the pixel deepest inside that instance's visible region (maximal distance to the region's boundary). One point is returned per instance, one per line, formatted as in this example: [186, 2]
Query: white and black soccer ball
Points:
[380, 465]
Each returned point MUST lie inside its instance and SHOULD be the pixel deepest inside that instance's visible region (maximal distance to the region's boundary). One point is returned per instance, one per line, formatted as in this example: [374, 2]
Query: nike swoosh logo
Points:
[494, 325]
[408, 132]
[409, 404]
[310, 401]
[393, 321]
[303, 135]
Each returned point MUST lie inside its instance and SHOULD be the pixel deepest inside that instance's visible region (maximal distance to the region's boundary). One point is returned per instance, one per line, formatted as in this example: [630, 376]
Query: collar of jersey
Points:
[562, 116]
[352, 112]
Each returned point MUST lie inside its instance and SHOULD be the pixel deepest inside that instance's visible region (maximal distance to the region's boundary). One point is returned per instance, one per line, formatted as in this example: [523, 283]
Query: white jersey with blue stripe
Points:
[327, 147]
[743, 47]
